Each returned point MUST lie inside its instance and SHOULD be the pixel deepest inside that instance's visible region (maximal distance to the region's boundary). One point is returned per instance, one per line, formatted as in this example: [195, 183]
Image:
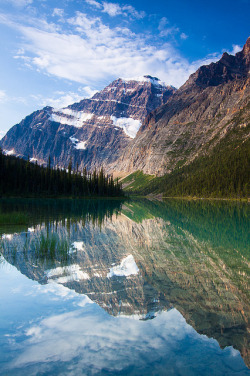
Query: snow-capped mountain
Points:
[93, 132]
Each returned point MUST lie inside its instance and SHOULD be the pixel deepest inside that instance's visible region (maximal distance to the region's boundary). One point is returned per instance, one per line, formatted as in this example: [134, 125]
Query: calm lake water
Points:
[125, 288]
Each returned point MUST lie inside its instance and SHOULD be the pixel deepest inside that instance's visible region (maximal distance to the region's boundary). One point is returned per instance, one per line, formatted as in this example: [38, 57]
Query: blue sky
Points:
[58, 52]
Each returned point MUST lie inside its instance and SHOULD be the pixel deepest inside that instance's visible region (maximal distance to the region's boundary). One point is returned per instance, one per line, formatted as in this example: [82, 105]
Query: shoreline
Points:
[160, 197]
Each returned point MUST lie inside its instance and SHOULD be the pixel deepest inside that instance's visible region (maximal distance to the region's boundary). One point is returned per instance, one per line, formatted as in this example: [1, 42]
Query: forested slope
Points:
[23, 178]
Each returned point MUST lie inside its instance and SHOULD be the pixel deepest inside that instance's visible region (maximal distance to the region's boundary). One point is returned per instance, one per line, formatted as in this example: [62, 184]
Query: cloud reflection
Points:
[95, 342]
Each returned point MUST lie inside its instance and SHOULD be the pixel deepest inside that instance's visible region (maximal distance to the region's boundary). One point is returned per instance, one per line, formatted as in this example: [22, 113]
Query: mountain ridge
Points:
[90, 133]
[194, 120]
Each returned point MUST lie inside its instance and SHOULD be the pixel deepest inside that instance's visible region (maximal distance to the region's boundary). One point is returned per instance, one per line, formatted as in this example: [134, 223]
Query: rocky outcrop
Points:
[91, 133]
[228, 68]
[213, 102]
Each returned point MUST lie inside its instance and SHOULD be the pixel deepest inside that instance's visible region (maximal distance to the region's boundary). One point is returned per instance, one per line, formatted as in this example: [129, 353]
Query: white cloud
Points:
[3, 96]
[58, 12]
[112, 9]
[163, 23]
[169, 31]
[83, 332]
[184, 36]
[87, 92]
[93, 341]
[236, 48]
[62, 99]
[92, 52]
[6, 98]
[94, 3]
[129, 10]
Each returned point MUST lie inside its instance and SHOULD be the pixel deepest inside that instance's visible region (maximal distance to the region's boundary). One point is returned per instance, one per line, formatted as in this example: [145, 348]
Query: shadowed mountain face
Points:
[91, 133]
[212, 104]
[146, 258]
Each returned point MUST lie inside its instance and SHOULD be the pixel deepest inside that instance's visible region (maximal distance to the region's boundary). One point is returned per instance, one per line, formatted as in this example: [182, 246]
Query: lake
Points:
[138, 287]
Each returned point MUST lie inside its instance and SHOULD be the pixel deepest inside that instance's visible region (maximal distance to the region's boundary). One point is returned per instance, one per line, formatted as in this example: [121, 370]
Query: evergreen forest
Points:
[26, 179]
[222, 173]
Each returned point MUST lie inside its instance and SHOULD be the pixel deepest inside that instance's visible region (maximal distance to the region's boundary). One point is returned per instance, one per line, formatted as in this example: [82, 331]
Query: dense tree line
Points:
[224, 172]
[23, 178]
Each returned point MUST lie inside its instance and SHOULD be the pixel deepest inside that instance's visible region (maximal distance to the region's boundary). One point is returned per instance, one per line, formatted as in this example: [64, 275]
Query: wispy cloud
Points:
[58, 12]
[183, 36]
[162, 24]
[131, 11]
[61, 99]
[57, 99]
[89, 51]
[236, 48]
[3, 96]
[166, 30]
[94, 3]
[112, 9]
[115, 9]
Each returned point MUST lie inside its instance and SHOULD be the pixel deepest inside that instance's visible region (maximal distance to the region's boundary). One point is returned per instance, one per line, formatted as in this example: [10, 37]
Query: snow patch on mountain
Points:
[8, 152]
[74, 140]
[153, 80]
[79, 246]
[130, 126]
[70, 117]
[126, 268]
[79, 145]
[66, 274]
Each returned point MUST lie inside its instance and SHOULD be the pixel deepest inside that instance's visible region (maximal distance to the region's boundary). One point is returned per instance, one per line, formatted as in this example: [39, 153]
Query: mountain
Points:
[143, 125]
[91, 133]
[211, 106]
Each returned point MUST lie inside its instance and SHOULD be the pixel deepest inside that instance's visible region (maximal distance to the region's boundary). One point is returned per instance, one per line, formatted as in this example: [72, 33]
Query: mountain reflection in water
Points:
[139, 259]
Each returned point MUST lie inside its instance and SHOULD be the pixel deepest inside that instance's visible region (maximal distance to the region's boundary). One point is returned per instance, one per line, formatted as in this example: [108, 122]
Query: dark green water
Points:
[101, 287]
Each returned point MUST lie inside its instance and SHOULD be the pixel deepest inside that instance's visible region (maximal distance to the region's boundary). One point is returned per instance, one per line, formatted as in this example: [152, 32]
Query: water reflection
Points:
[141, 260]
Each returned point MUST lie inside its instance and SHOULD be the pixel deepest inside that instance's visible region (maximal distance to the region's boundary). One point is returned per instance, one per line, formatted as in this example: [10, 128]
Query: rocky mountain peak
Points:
[92, 132]
[246, 48]
[243, 57]
[127, 88]
[148, 79]
[127, 98]
[226, 69]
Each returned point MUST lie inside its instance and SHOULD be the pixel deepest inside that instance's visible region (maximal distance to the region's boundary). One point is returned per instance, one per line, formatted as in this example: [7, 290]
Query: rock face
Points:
[213, 102]
[91, 133]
